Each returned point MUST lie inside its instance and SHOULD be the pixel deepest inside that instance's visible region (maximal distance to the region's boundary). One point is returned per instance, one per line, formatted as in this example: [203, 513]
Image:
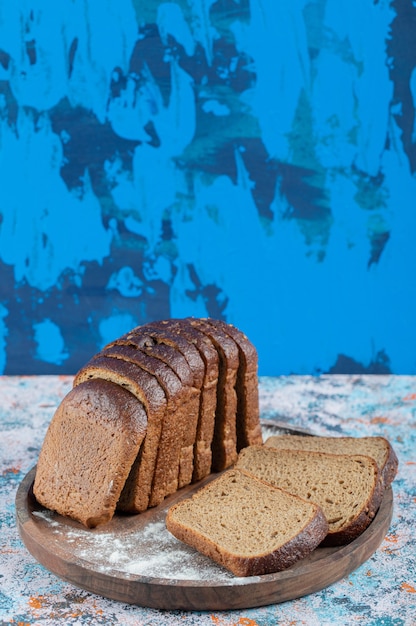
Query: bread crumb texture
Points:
[247, 526]
[348, 488]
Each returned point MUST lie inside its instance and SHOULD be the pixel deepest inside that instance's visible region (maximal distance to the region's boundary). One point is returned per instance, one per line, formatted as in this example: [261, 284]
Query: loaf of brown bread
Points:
[91, 443]
[246, 525]
[348, 488]
[194, 381]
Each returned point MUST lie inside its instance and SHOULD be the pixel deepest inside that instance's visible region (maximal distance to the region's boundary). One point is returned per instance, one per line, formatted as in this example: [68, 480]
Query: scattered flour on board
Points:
[151, 551]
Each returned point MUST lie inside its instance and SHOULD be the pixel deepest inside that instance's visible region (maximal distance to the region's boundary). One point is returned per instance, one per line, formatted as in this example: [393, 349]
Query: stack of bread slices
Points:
[283, 499]
[157, 409]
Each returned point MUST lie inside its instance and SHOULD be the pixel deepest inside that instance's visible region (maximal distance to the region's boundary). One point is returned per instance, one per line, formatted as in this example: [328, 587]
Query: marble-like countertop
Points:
[380, 592]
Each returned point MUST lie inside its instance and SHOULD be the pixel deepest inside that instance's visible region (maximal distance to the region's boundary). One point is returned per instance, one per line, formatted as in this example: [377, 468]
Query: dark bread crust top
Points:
[166, 377]
[157, 334]
[139, 382]
[224, 344]
[109, 403]
[166, 353]
[247, 349]
[188, 334]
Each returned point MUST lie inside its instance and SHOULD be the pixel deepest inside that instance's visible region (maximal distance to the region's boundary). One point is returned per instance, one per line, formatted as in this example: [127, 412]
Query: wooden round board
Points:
[134, 559]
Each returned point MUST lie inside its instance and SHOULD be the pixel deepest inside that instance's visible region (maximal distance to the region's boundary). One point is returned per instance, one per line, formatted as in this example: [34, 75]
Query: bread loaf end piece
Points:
[348, 488]
[247, 526]
[90, 445]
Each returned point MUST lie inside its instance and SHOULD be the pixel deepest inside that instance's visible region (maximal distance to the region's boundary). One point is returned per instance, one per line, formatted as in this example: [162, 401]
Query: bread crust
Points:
[391, 467]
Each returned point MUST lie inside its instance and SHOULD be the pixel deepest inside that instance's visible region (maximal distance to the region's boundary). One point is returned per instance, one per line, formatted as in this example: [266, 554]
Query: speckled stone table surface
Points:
[382, 591]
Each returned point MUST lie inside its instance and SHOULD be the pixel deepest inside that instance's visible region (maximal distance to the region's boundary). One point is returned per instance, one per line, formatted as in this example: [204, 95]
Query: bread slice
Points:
[378, 448]
[90, 445]
[224, 443]
[247, 526]
[348, 488]
[136, 493]
[208, 397]
[248, 427]
[186, 362]
[181, 409]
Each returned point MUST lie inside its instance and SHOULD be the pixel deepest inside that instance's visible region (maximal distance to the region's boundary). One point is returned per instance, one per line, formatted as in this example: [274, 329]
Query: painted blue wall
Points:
[252, 160]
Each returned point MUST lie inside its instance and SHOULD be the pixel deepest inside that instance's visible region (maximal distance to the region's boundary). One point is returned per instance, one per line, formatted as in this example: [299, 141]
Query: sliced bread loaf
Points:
[378, 448]
[88, 451]
[187, 376]
[247, 526]
[348, 488]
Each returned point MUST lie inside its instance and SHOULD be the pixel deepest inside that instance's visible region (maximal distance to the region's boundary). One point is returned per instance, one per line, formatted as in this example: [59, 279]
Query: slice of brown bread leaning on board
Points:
[193, 383]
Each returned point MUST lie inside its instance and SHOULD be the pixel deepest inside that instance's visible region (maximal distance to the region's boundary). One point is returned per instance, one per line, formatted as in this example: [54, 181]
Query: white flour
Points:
[151, 551]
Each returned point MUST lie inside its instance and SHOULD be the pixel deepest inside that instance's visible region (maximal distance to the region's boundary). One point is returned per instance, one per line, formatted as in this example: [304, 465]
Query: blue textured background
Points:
[252, 160]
